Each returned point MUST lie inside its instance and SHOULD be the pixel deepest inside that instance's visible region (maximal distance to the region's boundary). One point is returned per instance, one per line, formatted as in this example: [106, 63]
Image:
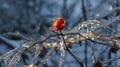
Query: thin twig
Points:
[85, 18]
[47, 56]
[110, 23]
[37, 52]
[110, 60]
[18, 36]
[92, 53]
[71, 53]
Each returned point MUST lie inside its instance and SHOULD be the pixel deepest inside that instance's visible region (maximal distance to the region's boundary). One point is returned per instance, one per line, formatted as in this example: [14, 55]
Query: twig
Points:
[47, 56]
[92, 53]
[71, 53]
[38, 47]
[85, 18]
[18, 36]
[9, 43]
[110, 23]
[84, 11]
[110, 60]
[16, 57]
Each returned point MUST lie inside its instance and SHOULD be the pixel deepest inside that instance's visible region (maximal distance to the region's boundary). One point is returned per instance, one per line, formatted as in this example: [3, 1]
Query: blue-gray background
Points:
[24, 15]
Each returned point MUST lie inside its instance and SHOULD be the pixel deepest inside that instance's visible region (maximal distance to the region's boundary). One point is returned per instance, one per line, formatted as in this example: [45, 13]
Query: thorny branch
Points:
[67, 39]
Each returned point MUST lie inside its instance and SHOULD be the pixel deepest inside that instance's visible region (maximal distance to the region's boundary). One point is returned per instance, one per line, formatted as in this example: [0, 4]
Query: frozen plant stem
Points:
[62, 50]
[62, 54]
[92, 54]
[70, 52]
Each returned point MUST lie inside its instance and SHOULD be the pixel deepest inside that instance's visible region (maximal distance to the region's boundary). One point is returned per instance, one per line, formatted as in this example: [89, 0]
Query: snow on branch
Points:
[87, 30]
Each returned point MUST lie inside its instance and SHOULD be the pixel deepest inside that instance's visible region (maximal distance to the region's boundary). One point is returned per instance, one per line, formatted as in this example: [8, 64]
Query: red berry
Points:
[58, 24]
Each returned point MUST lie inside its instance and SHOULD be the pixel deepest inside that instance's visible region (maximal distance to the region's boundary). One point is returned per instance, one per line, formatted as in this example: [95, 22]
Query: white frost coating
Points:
[54, 44]
[62, 55]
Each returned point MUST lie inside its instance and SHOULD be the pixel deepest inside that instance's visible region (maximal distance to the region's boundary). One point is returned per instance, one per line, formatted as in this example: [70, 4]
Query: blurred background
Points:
[24, 15]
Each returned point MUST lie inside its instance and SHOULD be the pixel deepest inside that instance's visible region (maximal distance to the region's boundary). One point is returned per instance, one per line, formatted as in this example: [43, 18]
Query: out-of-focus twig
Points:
[47, 56]
[85, 18]
[8, 42]
[92, 53]
[110, 60]
[117, 19]
[18, 36]
[38, 47]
